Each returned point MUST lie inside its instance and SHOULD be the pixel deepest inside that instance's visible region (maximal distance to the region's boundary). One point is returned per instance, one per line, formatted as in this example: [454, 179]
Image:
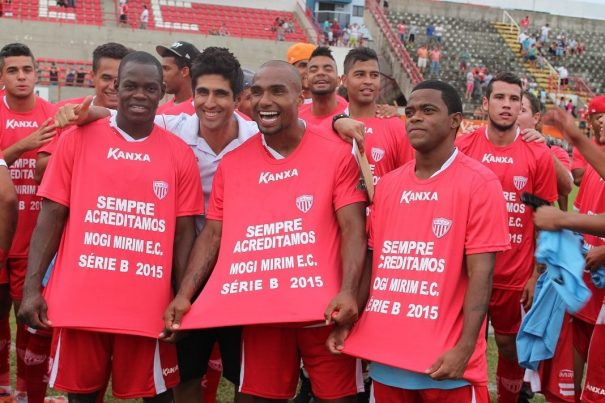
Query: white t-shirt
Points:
[145, 15]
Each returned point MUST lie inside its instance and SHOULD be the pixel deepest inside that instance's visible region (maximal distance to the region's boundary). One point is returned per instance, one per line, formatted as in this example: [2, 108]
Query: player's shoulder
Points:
[325, 141]
[473, 169]
[45, 105]
[171, 140]
[248, 147]
[466, 139]
[536, 148]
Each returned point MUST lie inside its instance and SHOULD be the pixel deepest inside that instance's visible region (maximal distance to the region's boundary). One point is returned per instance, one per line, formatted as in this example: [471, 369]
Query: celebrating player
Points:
[25, 125]
[114, 238]
[308, 181]
[423, 326]
[521, 167]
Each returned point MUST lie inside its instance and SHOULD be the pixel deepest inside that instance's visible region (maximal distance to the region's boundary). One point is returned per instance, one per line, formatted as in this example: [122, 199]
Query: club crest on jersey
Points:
[160, 188]
[304, 203]
[441, 226]
[377, 153]
[519, 182]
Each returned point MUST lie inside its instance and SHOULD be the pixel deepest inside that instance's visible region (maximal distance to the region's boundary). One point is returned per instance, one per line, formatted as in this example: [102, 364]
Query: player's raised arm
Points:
[44, 245]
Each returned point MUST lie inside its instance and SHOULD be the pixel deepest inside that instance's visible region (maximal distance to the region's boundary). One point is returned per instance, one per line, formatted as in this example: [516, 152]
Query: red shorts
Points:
[467, 394]
[582, 333]
[594, 388]
[271, 363]
[82, 362]
[16, 267]
[505, 311]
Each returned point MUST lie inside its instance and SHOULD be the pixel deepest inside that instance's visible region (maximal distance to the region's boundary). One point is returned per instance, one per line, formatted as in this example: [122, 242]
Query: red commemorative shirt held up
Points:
[279, 259]
[114, 264]
[520, 167]
[15, 126]
[421, 232]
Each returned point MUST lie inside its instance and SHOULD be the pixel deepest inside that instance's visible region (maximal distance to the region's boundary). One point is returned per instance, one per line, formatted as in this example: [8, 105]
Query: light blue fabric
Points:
[559, 289]
[49, 271]
[403, 379]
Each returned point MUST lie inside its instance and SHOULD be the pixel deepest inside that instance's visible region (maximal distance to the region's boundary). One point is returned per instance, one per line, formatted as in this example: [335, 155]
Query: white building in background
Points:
[344, 11]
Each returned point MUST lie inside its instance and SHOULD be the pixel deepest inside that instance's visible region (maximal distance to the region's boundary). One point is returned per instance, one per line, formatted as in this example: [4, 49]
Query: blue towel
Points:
[559, 289]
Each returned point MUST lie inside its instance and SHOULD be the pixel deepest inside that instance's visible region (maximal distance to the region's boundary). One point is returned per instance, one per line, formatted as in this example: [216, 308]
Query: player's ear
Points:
[343, 80]
[456, 120]
[484, 104]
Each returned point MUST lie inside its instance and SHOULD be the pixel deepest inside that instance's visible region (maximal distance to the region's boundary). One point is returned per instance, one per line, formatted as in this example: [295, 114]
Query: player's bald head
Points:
[141, 58]
[285, 72]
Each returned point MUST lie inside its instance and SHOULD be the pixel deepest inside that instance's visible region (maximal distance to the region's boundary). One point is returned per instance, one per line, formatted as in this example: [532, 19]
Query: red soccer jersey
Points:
[170, 108]
[114, 264]
[521, 167]
[591, 201]
[15, 126]
[305, 112]
[279, 259]
[421, 232]
[386, 145]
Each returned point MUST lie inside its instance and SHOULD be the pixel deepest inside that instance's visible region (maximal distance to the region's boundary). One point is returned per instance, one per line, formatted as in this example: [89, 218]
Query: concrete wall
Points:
[78, 41]
[484, 13]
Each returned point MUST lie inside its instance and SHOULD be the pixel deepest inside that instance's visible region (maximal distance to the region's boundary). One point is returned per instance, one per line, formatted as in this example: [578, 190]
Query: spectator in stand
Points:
[524, 23]
[144, 17]
[477, 90]
[470, 85]
[439, 31]
[436, 62]
[430, 30]
[401, 30]
[560, 49]
[70, 78]
[353, 36]
[280, 33]
[385, 5]
[571, 46]
[521, 39]
[413, 32]
[570, 108]
[123, 14]
[544, 31]
[563, 76]
[580, 48]
[543, 95]
[540, 62]
[562, 103]
[80, 75]
[335, 32]
[524, 83]
[290, 26]
[487, 78]
[532, 55]
[423, 57]
[463, 57]
[223, 31]
[54, 74]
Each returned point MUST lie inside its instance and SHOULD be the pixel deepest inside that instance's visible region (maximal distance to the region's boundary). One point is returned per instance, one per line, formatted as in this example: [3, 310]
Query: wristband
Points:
[336, 117]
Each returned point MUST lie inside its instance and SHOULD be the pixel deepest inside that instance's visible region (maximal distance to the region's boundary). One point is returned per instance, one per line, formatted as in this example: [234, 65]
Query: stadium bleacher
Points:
[87, 12]
[189, 16]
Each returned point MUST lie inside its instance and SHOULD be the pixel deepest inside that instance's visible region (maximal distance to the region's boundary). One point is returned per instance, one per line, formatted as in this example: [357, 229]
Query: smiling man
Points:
[114, 239]
[521, 167]
[293, 175]
[25, 126]
[176, 63]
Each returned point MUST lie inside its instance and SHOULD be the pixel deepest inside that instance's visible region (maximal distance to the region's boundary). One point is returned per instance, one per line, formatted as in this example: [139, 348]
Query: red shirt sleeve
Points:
[50, 147]
[215, 204]
[562, 156]
[190, 199]
[577, 160]
[487, 226]
[56, 184]
[546, 179]
[346, 182]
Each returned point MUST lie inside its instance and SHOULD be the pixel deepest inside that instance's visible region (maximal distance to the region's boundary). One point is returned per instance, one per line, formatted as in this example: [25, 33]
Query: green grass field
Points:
[225, 393]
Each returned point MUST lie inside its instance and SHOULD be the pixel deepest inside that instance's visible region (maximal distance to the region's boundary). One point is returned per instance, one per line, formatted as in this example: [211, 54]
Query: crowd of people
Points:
[236, 221]
[349, 35]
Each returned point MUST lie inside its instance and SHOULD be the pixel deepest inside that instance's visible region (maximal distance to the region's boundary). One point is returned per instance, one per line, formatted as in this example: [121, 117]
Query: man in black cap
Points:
[245, 103]
[176, 63]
